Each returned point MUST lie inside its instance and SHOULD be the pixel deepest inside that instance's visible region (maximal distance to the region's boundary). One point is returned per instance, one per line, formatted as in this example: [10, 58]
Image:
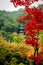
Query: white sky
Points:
[8, 6]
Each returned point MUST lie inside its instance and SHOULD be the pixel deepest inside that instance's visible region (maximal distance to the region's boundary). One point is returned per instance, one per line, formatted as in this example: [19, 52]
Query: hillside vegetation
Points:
[8, 22]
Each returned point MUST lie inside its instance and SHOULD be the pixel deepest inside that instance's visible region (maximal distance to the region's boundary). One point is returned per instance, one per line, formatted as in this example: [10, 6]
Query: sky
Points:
[8, 6]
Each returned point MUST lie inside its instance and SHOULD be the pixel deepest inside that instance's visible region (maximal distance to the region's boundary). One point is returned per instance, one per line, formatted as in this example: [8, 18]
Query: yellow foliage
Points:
[12, 48]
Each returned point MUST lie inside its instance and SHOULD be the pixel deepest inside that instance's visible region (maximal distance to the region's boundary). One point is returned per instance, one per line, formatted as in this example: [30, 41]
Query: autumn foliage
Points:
[33, 25]
[32, 28]
[22, 2]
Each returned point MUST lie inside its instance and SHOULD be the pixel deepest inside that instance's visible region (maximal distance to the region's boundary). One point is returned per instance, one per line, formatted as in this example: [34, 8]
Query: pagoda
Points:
[22, 20]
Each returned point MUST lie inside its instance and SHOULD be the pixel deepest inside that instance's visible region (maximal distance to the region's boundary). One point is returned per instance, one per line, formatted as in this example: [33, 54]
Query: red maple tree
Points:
[34, 17]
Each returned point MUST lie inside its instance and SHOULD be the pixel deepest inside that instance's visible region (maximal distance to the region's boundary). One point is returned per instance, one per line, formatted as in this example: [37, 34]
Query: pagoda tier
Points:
[21, 28]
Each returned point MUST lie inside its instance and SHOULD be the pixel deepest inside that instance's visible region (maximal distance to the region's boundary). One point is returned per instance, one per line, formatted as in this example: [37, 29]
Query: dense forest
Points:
[8, 22]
